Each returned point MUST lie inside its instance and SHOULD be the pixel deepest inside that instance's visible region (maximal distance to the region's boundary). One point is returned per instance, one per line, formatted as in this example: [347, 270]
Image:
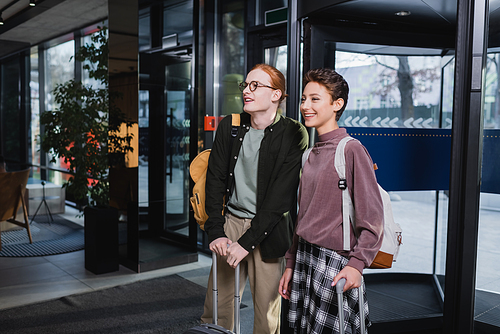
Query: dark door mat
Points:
[49, 238]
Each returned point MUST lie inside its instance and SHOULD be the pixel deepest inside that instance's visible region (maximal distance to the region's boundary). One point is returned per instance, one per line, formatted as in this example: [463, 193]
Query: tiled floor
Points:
[34, 279]
[27, 280]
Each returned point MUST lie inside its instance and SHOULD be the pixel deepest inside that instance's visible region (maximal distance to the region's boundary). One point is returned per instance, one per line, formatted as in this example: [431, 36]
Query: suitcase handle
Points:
[340, 302]
[340, 285]
[215, 291]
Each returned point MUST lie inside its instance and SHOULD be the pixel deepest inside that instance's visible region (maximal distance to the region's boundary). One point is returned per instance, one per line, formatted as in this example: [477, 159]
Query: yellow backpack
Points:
[198, 171]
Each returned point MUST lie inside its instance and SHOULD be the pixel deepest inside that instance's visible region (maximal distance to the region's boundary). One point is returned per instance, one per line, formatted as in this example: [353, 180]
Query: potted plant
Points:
[84, 131]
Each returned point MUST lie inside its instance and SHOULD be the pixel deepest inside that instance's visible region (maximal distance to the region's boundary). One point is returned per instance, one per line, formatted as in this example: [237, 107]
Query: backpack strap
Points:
[235, 124]
[305, 156]
[347, 207]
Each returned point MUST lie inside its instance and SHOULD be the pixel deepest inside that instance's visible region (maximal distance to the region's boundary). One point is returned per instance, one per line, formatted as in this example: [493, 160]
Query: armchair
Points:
[12, 188]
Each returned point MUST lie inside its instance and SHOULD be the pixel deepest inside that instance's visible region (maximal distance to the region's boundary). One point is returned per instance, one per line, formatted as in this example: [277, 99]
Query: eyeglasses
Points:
[253, 85]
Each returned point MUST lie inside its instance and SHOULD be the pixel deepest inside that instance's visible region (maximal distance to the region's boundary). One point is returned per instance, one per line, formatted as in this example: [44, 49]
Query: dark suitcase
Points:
[340, 301]
[214, 328]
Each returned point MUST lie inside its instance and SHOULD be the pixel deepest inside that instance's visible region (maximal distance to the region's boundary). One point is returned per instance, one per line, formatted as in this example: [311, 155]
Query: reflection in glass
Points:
[277, 57]
[404, 91]
[233, 59]
[178, 82]
[178, 19]
[488, 266]
[448, 87]
[441, 233]
[35, 113]
[492, 92]
[143, 148]
[391, 91]
[59, 68]
[415, 211]
[86, 80]
[144, 29]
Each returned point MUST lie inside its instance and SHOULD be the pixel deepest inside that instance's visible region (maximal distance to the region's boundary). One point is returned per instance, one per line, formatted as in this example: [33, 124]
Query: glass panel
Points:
[448, 75]
[143, 147]
[96, 84]
[448, 87]
[277, 57]
[9, 107]
[492, 92]
[415, 211]
[59, 68]
[202, 81]
[441, 234]
[178, 19]
[178, 82]
[144, 29]
[391, 91]
[232, 58]
[488, 267]
[404, 91]
[35, 113]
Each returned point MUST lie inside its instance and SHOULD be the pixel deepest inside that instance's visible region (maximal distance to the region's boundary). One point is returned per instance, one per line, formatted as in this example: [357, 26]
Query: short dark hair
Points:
[334, 83]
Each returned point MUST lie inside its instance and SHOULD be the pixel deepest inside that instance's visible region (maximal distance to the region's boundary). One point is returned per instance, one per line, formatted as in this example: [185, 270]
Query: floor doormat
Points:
[49, 238]
[169, 304]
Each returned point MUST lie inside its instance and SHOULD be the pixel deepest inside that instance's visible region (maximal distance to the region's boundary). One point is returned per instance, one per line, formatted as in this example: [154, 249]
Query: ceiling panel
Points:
[49, 19]
[25, 25]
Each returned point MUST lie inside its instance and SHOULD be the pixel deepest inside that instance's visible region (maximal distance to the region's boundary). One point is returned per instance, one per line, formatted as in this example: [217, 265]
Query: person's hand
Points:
[285, 283]
[219, 246]
[235, 253]
[352, 275]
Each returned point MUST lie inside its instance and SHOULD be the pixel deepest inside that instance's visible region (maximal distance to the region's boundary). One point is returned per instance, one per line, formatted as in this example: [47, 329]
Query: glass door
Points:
[177, 140]
[165, 103]
[399, 107]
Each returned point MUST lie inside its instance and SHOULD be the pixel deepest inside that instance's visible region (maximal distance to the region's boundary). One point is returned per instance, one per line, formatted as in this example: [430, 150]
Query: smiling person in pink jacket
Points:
[316, 260]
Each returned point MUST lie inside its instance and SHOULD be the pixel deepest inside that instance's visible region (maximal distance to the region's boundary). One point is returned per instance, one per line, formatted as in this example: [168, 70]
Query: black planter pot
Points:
[101, 239]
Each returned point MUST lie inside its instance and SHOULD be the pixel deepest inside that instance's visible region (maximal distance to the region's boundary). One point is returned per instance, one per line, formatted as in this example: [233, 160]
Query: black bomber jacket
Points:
[279, 166]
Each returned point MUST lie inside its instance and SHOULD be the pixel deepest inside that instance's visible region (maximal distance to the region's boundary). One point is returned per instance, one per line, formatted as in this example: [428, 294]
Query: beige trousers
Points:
[264, 277]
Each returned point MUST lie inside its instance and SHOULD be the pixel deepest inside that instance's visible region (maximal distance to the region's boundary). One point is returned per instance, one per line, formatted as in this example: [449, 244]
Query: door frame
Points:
[153, 79]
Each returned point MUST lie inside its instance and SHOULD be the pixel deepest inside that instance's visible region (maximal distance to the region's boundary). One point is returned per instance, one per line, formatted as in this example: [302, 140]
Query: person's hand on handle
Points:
[285, 286]
[353, 278]
[219, 246]
[235, 253]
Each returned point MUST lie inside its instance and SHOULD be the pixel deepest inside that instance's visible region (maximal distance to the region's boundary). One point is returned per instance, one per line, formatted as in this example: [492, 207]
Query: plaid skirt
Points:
[313, 301]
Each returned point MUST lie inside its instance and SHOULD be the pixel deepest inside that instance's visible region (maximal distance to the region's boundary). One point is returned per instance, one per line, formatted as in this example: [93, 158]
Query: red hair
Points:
[277, 78]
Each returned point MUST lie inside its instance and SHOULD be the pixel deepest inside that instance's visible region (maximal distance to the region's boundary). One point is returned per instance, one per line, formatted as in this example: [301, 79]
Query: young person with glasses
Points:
[258, 173]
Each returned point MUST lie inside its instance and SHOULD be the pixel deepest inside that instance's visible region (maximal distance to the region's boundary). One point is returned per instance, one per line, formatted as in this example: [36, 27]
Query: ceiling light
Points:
[1, 20]
[32, 3]
[403, 13]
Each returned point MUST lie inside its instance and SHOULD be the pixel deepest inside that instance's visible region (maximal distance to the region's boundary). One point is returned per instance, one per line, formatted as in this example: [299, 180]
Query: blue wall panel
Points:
[408, 159]
[490, 181]
[419, 159]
